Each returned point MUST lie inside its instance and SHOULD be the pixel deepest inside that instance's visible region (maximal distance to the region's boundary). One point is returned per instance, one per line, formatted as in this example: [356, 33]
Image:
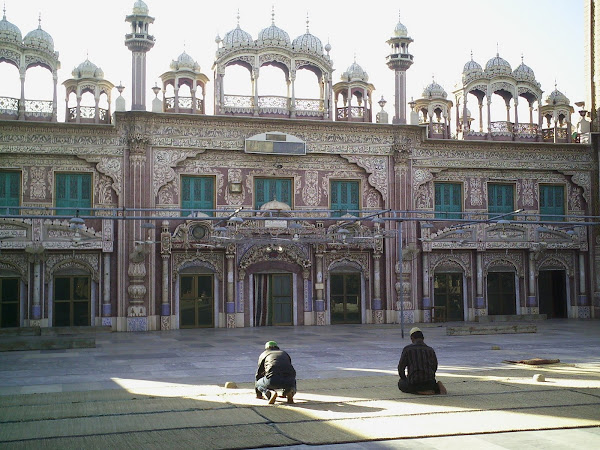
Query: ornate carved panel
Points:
[495, 259]
[89, 262]
[450, 261]
[209, 260]
[376, 167]
[258, 253]
[358, 260]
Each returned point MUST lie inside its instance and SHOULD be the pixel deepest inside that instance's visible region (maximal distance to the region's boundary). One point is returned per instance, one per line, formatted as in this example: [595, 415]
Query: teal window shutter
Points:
[501, 200]
[73, 190]
[268, 189]
[197, 194]
[10, 192]
[345, 196]
[552, 202]
[448, 201]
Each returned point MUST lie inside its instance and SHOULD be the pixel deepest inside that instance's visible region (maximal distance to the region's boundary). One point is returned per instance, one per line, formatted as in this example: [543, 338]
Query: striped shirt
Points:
[421, 362]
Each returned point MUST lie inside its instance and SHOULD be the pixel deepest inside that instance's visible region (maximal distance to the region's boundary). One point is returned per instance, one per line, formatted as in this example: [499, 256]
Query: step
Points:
[511, 318]
[20, 331]
[491, 329]
[74, 331]
[23, 343]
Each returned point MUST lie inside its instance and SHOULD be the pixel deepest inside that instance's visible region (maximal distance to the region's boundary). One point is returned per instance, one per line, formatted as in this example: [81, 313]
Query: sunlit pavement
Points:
[166, 390]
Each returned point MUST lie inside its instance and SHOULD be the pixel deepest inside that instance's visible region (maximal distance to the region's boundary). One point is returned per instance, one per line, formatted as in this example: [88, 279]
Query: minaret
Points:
[400, 61]
[139, 42]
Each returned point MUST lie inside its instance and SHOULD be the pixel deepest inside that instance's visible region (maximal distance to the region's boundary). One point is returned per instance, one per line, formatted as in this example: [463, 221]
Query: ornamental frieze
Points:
[441, 262]
[557, 261]
[209, 260]
[503, 259]
[376, 167]
[84, 261]
[263, 253]
[335, 260]
[17, 263]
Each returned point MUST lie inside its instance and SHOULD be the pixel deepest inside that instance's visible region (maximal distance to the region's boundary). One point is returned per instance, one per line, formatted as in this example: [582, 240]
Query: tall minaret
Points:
[400, 61]
[139, 42]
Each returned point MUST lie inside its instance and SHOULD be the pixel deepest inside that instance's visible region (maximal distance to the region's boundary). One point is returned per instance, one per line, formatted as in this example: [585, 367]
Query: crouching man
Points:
[275, 371]
[421, 363]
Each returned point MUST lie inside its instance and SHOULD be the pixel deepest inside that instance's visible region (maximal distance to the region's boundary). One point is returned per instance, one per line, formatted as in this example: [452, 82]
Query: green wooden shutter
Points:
[268, 189]
[344, 197]
[501, 199]
[448, 201]
[10, 192]
[73, 190]
[552, 202]
[197, 193]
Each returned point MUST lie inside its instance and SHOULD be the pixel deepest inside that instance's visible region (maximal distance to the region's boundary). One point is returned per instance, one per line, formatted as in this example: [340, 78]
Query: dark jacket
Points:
[275, 362]
[421, 362]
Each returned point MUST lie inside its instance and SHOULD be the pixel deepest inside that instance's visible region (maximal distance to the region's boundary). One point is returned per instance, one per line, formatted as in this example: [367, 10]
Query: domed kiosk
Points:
[184, 74]
[354, 84]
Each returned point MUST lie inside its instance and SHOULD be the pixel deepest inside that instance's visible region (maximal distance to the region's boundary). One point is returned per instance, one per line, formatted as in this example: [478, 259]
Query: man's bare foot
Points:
[443, 390]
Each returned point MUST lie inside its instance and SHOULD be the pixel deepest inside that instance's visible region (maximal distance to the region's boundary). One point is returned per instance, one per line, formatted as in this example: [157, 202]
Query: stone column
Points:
[531, 291]
[255, 74]
[55, 97]
[489, 116]
[427, 304]
[165, 254]
[319, 286]
[292, 82]
[230, 298]
[96, 112]
[582, 298]
[176, 99]
[479, 301]
[376, 305]
[106, 306]
[78, 110]
[22, 100]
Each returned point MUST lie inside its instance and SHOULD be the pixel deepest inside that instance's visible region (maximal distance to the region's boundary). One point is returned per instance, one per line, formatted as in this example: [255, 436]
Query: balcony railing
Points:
[352, 113]
[9, 106]
[185, 104]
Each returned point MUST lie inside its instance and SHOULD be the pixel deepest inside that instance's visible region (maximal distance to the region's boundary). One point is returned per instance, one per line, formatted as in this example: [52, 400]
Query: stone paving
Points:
[165, 390]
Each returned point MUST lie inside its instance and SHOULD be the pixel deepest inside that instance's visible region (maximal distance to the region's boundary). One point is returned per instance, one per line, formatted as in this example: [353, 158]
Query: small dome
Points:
[471, 71]
[524, 73]
[38, 38]
[273, 36]
[140, 8]
[87, 69]
[308, 43]
[355, 72]
[434, 90]
[275, 205]
[557, 98]
[9, 32]
[497, 67]
[184, 61]
[237, 37]
[400, 30]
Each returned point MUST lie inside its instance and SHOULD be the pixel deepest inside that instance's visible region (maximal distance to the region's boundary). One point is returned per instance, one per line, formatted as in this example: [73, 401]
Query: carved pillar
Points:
[36, 307]
[465, 121]
[427, 306]
[165, 253]
[292, 83]
[55, 97]
[319, 287]
[480, 104]
[489, 115]
[531, 292]
[176, 100]
[106, 307]
[516, 116]
[376, 305]
[230, 299]
[582, 298]
[255, 74]
[22, 100]
[96, 112]
[479, 302]
[194, 87]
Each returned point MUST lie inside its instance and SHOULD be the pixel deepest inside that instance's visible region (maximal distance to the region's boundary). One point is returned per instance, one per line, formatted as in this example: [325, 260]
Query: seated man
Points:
[421, 362]
[275, 371]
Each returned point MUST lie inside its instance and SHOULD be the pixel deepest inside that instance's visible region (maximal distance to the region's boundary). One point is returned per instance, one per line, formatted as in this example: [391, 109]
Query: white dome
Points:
[472, 70]
[87, 69]
[497, 67]
[9, 32]
[434, 90]
[308, 43]
[140, 8]
[273, 36]
[38, 38]
[184, 61]
[524, 73]
[400, 30]
[355, 72]
[237, 36]
[557, 98]
[275, 205]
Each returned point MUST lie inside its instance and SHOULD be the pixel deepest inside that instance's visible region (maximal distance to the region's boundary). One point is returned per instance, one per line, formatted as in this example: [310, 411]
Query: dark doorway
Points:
[196, 301]
[501, 294]
[345, 298]
[553, 293]
[9, 302]
[273, 299]
[72, 300]
[448, 297]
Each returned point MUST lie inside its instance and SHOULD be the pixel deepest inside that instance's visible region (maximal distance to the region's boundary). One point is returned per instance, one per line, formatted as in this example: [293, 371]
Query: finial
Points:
[398, 14]
[307, 32]
[555, 88]
[40, 21]
[471, 54]
[497, 49]
[272, 14]
[354, 57]
[521, 58]
[238, 17]
[4, 11]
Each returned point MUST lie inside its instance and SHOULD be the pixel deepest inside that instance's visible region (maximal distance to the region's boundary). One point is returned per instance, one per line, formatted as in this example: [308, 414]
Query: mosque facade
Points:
[288, 211]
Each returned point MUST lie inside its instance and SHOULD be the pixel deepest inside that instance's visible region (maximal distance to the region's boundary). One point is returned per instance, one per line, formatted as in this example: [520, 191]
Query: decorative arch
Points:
[263, 252]
[18, 265]
[557, 261]
[88, 263]
[210, 261]
[360, 261]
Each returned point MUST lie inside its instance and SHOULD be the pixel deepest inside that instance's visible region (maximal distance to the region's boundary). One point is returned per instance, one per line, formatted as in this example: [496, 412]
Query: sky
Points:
[548, 35]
